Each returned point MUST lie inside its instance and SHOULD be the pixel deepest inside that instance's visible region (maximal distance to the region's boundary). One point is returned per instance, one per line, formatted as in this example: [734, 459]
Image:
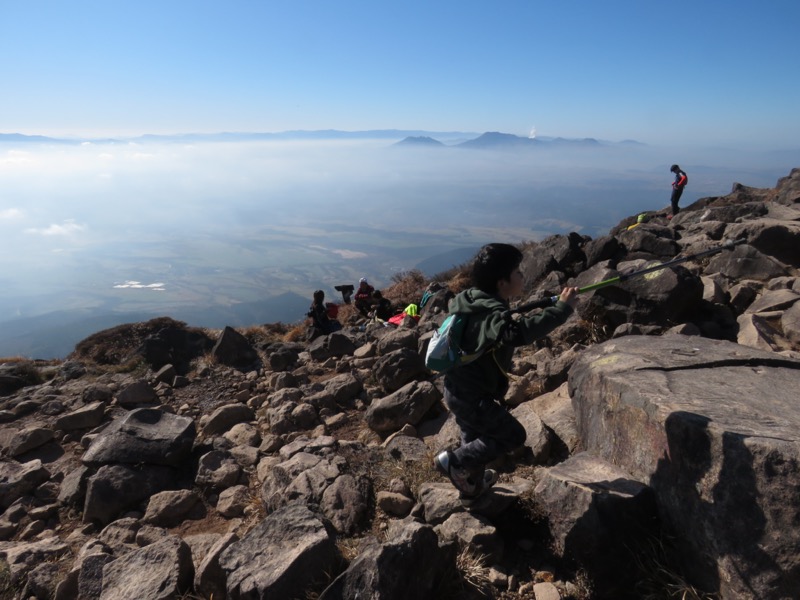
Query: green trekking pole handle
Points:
[729, 245]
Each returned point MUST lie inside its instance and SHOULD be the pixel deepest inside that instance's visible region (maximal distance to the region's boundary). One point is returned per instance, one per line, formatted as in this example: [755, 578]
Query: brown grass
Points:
[25, 369]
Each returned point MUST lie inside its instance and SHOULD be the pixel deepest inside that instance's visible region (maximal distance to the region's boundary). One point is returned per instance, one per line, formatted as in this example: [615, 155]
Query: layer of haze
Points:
[170, 227]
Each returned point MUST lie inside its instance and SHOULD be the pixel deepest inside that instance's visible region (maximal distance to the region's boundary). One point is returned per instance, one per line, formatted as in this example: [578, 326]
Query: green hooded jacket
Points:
[490, 325]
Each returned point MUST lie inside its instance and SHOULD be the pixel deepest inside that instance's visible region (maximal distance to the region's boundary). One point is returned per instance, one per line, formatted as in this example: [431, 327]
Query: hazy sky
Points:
[678, 72]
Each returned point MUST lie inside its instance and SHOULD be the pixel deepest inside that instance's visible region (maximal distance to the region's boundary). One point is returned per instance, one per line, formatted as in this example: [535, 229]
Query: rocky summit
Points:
[662, 457]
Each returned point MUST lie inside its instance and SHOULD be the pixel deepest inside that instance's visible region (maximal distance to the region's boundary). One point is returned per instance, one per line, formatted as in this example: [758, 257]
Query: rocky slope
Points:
[662, 456]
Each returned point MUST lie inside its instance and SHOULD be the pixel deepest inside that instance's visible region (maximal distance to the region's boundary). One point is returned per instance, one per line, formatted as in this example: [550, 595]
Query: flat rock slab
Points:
[714, 428]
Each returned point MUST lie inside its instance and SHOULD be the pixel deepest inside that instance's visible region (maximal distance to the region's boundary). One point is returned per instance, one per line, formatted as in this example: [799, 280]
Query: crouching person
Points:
[474, 391]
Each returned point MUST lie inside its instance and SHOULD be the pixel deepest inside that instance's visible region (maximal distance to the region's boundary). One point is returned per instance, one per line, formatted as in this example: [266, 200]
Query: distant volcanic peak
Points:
[419, 140]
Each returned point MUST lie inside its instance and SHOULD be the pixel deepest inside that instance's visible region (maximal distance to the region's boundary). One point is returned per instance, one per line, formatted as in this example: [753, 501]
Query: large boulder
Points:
[745, 262]
[597, 516]
[115, 488]
[159, 571]
[408, 565]
[713, 427]
[279, 557]
[778, 239]
[666, 295]
[233, 349]
[20, 479]
[406, 406]
[397, 368]
[789, 188]
[555, 253]
[146, 435]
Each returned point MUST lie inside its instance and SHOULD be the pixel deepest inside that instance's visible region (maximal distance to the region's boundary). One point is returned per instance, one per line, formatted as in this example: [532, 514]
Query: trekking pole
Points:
[729, 245]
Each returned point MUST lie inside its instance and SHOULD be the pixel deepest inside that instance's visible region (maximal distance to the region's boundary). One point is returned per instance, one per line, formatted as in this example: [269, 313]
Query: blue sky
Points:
[701, 73]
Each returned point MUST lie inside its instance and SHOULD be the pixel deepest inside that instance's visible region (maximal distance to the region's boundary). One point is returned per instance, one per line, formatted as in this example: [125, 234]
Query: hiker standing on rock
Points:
[473, 392]
[677, 187]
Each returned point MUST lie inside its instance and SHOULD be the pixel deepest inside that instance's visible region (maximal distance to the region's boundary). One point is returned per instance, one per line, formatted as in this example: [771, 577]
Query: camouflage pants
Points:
[487, 429]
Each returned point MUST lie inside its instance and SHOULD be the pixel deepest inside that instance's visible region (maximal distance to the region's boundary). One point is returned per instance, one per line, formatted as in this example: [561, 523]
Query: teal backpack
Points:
[444, 351]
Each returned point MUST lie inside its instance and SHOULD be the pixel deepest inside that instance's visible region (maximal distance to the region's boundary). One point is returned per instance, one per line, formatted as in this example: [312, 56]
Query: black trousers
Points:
[676, 195]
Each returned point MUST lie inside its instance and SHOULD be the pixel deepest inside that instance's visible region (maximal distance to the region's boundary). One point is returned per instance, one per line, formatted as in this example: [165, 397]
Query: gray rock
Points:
[41, 581]
[537, 436]
[475, 533]
[405, 406]
[409, 565]
[335, 344]
[756, 332]
[345, 504]
[118, 536]
[303, 478]
[667, 295]
[395, 504]
[143, 436]
[344, 388]
[439, 500]
[790, 324]
[73, 488]
[396, 369]
[217, 470]
[22, 557]
[233, 349]
[774, 300]
[233, 501]
[17, 480]
[97, 392]
[304, 416]
[597, 515]
[706, 424]
[396, 339]
[225, 417]
[243, 434]
[545, 590]
[160, 571]
[85, 417]
[209, 578]
[745, 262]
[778, 239]
[279, 557]
[166, 374]
[149, 534]
[136, 393]
[115, 488]
[170, 507]
[406, 448]
[29, 439]
[556, 412]
[90, 574]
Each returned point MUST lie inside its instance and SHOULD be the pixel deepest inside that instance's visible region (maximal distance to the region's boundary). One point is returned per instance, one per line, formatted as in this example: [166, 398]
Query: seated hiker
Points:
[364, 297]
[319, 315]
[383, 307]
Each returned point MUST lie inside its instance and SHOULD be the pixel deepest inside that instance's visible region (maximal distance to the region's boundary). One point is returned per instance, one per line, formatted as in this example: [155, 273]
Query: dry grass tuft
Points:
[660, 578]
[459, 282]
[407, 288]
[25, 369]
[296, 333]
[471, 565]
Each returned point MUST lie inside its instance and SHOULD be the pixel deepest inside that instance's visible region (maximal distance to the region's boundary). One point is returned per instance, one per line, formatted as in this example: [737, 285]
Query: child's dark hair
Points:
[493, 263]
[319, 296]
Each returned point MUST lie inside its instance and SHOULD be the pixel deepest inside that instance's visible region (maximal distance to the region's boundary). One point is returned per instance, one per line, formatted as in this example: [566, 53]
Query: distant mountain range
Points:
[55, 334]
[464, 139]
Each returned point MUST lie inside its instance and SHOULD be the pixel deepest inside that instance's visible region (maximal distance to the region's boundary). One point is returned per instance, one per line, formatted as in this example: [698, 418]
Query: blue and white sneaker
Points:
[470, 488]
